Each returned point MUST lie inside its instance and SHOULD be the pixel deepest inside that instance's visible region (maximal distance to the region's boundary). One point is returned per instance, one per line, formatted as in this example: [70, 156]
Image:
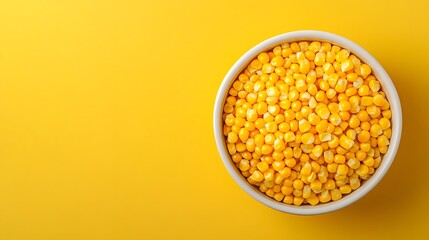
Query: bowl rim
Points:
[380, 74]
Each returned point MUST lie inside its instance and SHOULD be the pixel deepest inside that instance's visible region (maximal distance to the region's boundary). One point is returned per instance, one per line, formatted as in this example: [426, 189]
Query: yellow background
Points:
[106, 118]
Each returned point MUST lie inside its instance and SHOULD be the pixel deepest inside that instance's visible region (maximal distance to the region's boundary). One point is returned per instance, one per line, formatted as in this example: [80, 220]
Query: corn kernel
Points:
[335, 119]
[307, 138]
[322, 126]
[288, 199]
[232, 137]
[387, 114]
[298, 184]
[369, 162]
[354, 183]
[328, 68]
[351, 134]
[306, 169]
[363, 90]
[342, 169]
[319, 59]
[363, 136]
[375, 130]
[336, 194]
[304, 126]
[382, 141]
[365, 70]
[313, 200]
[366, 101]
[346, 142]
[358, 83]
[325, 196]
[344, 106]
[353, 163]
[262, 166]
[378, 100]
[325, 137]
[362, 170]
[263, 57]
[323, 112]
[312, 177]
[332, 167]
[266, 149]
[297, 201]
[342, 55]
[306, 192]
[257, 176]
[347, 65]
[277, 61]
[384, 123]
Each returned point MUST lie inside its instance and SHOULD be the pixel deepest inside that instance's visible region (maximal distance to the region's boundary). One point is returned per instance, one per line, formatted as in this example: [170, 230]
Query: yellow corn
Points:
[364, 90]
[336, 194]
[304, 126]
[379, 100]
[342, 169]
[351, 133]
[354, 183]
[384, 123]
[257, 176]
[278, 165]
[298, 184]
[353, 163]
[382, 141]
[313, 200]
[339, 158]
[387, 114]
[316, 185]
[306, 192]
[334, 142]
[311, 177]
[232, 137]
[307, 138]
[328, 68]
[363, 136]
[335, 119]
[365, 70]
[344, 106]
[362, 170]
[341, 85]
[325, 137]
[346, 142]
[375, 130]
[313, 119]
[328, 156]
[297, 201]
[266, 149]
[296, 102]
[314, 46]
[342, 55]
[369, 161]
[262, 166]
[325, 196]
[347, 65]
[288, 199]
[320, 59]
[346, 189]
[374, 85]
[332, 167]
[366, 101]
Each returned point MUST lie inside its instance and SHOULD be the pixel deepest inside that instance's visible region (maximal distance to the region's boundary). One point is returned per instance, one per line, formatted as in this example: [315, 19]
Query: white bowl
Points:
[380, 74]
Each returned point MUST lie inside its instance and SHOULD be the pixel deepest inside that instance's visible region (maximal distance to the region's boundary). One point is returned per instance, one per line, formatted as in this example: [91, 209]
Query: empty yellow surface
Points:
[106, 118]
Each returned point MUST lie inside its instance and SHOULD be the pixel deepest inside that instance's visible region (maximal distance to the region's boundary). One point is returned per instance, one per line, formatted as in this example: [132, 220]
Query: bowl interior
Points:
[378, 72]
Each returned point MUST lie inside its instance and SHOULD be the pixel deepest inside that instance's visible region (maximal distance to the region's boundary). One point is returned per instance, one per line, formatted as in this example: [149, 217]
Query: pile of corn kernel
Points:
[307, 122]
